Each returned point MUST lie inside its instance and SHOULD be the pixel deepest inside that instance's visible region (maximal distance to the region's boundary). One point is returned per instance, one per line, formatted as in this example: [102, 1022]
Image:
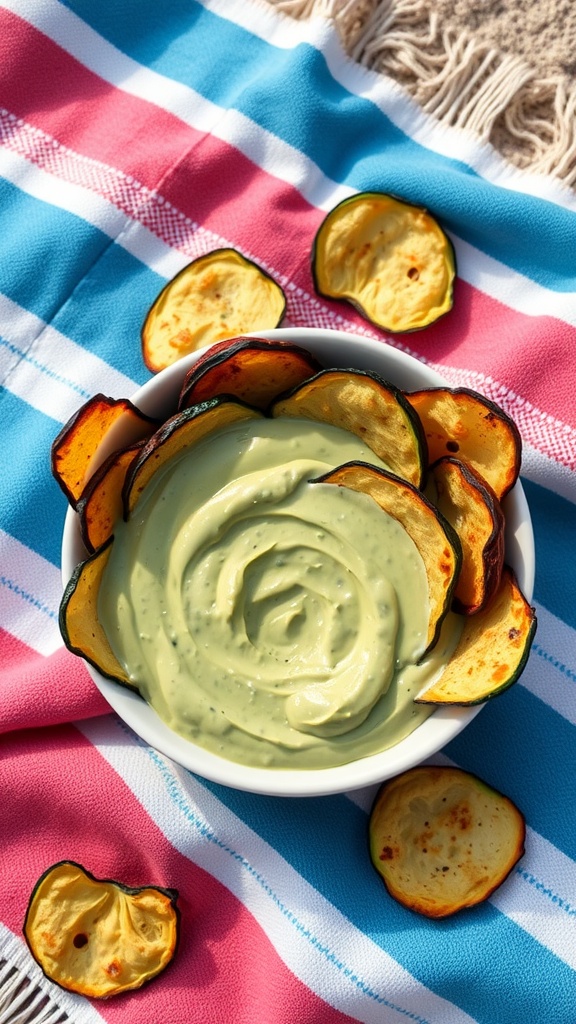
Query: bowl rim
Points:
[443, 725]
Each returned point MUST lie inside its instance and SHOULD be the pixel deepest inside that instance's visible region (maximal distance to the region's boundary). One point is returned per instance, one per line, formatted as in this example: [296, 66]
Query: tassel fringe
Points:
[463, 82]
[22, 1002]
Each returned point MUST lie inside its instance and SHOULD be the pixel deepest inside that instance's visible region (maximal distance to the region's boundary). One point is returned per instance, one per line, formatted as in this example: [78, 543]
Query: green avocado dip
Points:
[271, 620]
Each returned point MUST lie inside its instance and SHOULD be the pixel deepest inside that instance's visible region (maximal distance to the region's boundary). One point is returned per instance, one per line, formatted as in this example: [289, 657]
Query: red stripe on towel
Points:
[226, 968]
[82, 110]
[36, 690]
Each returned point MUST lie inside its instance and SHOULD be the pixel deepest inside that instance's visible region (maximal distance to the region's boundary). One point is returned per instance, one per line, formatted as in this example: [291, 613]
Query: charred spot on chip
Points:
[388, 258]
[100, 937]
[455, 839]
[484, 436]
[219, 295]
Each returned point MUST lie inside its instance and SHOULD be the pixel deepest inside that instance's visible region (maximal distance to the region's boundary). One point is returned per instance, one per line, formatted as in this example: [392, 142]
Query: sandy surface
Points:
[543, 32]
[504, 70]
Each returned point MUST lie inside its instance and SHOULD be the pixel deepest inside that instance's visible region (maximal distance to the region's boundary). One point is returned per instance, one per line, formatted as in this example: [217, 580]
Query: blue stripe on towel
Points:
[345, 135]
[27, 436]
[554, 522]
[108, 308]
[508, 744]
[90, 289]
[37, 235]
[460, 958]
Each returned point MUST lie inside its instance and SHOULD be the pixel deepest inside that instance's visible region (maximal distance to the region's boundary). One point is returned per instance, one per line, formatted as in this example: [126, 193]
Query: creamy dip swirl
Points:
[272, 620]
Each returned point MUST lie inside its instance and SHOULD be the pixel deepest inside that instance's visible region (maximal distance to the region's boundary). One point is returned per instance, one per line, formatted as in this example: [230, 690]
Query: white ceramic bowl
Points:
[158, 398]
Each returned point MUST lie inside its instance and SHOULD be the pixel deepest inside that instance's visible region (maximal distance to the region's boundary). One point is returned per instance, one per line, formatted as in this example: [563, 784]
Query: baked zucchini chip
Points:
[388, 258]
[368, 406]
[219, 295]
[98, 937]
[100, 504]
[78, 617]
[442, 839]
[458, 421]
[434, 538]
[472, 508]
[492, 651]
[182, 430]
[252, 369]
[74, 447]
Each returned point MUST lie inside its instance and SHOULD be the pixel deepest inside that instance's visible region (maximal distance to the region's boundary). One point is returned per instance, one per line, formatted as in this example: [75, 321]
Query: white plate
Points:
[158, 398]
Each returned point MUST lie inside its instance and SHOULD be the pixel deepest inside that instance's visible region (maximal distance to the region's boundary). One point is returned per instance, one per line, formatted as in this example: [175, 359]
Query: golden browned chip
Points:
[442, 839]
[388, 258]
[79, 623]
[366, 405]
[252, 369]
[472, 508]
[434, 538]
[219, 295]
[100, 504]
[99, 937]
[75, 446]
[461, 422]
[492, 651]
[182, 430]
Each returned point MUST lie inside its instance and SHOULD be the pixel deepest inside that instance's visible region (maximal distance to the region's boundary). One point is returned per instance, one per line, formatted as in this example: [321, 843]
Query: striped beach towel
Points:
[134, 137]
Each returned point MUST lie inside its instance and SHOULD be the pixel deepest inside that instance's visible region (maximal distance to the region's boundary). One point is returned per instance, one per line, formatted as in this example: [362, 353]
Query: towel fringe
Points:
[458, 79]
[23, 1002]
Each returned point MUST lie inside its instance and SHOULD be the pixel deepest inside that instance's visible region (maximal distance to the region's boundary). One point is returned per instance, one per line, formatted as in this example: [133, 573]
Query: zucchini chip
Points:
[368, 406]
[98, 937]
[435, 539]
[182, 430]
[388, 258]
[78, 617]
[252, 369]
[101, 502]
[492, 650]
[460, 422]
[442, 839]
[74, 447]
[472, 508]
[219, 295]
